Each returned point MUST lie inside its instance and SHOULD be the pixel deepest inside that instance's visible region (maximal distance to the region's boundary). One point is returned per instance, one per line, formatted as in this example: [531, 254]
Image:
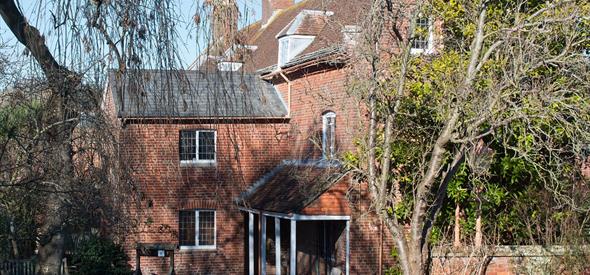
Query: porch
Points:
[297, 221]
[297, 244]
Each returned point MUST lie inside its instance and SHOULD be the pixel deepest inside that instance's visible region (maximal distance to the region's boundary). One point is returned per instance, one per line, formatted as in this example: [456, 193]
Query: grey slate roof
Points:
[194, 94]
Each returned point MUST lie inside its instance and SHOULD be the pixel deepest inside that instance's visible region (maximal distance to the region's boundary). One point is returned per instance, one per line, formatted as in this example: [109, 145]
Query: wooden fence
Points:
[17, 267]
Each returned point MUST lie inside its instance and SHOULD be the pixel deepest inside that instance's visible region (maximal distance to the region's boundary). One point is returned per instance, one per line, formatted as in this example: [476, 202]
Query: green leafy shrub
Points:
[100, 256]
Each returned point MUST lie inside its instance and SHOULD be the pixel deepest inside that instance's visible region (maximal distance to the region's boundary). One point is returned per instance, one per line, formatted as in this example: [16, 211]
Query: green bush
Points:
[100, 256]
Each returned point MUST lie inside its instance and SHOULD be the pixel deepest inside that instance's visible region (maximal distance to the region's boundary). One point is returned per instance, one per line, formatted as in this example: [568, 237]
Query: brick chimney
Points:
[350, 35]
[224, 24]
[270, 7]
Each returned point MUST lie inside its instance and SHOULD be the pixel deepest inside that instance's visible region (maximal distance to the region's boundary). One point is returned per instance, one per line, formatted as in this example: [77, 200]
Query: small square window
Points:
[197, 146]
[197, 229]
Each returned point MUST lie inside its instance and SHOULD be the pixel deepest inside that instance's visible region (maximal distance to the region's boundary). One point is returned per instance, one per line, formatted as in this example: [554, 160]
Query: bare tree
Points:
[66, 154]
[507, 73]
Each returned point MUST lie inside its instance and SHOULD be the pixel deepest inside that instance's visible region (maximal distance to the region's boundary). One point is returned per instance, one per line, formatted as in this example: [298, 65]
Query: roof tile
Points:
[290, 187]
[194, 94]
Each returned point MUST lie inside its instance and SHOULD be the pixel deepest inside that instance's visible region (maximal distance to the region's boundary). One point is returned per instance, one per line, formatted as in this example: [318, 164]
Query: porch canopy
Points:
[301, 193]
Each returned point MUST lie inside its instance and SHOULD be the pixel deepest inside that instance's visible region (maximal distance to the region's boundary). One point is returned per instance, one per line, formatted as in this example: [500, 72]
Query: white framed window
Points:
[197, 229]
[292, 45]
[423, 39]
[198, 146]
[283, 51]
[229, 66]
[329, 135]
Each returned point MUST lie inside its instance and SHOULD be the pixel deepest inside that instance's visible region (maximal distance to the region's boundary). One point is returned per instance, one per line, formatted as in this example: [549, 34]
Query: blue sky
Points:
[189, 47]
[37, 12]
[250, 11]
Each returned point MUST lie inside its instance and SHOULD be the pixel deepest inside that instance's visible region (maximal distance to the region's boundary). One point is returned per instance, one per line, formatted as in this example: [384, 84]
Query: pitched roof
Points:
[307, 22]
[291, 186]
[326, 29]
[332, 54]
[194, 94]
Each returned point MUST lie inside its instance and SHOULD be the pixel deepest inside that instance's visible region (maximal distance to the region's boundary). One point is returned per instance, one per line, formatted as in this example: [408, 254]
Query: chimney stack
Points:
[350, 35]
[224, 24]
[270, 7]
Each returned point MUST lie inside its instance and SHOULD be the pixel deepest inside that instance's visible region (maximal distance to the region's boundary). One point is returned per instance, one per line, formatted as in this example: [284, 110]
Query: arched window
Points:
[329, 135]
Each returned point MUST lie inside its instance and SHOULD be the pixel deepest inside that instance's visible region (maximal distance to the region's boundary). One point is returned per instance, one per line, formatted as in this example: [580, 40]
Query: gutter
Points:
[310, 59]
[288, 93]
[198, 120]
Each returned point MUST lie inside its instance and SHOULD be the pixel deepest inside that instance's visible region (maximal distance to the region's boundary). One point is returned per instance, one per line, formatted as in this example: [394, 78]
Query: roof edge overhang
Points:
[297, 217]
[334, 56]
[240, 200]
[203, 120]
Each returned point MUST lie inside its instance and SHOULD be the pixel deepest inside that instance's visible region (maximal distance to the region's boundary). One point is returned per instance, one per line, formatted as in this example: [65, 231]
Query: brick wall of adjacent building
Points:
[246, 151]
[313, 93]
[512, 260]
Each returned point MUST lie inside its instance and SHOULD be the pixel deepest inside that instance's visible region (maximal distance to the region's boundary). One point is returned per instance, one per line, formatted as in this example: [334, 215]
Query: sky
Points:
[38, 13]
[249, 9]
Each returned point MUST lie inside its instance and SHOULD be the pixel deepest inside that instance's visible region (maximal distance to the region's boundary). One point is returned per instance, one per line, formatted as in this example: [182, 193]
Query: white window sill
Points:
[198, 163]
[416, 51]
[198, 248]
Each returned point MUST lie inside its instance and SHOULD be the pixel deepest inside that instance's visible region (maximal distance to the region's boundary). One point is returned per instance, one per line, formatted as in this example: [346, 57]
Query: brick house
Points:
[236, 159]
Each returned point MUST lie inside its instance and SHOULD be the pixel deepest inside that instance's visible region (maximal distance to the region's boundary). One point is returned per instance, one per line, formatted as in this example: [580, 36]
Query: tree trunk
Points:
[12, 237]
[478, 234]
[419, 263]
[63, 83]
[457, 228]
[50, 255]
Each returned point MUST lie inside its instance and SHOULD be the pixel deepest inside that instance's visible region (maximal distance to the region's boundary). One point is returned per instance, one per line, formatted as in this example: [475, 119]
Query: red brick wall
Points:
[333, 202]
[313, 94]
[511, 260]
[370, 240]
[466, 265]
[245, 152]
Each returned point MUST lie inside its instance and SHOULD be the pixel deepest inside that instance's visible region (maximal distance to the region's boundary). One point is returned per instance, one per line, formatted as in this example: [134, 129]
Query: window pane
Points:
[186, 228]
[332, 140]
[206, 146]
[421, 34]
[283, 51]
[188, 150]
[422, 22]
[329, 131]
[206, 228]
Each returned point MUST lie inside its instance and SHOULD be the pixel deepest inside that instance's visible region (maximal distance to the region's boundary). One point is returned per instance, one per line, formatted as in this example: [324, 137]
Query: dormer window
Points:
[292, 45]
[423, 40]
[300, 33]
[229, 66]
